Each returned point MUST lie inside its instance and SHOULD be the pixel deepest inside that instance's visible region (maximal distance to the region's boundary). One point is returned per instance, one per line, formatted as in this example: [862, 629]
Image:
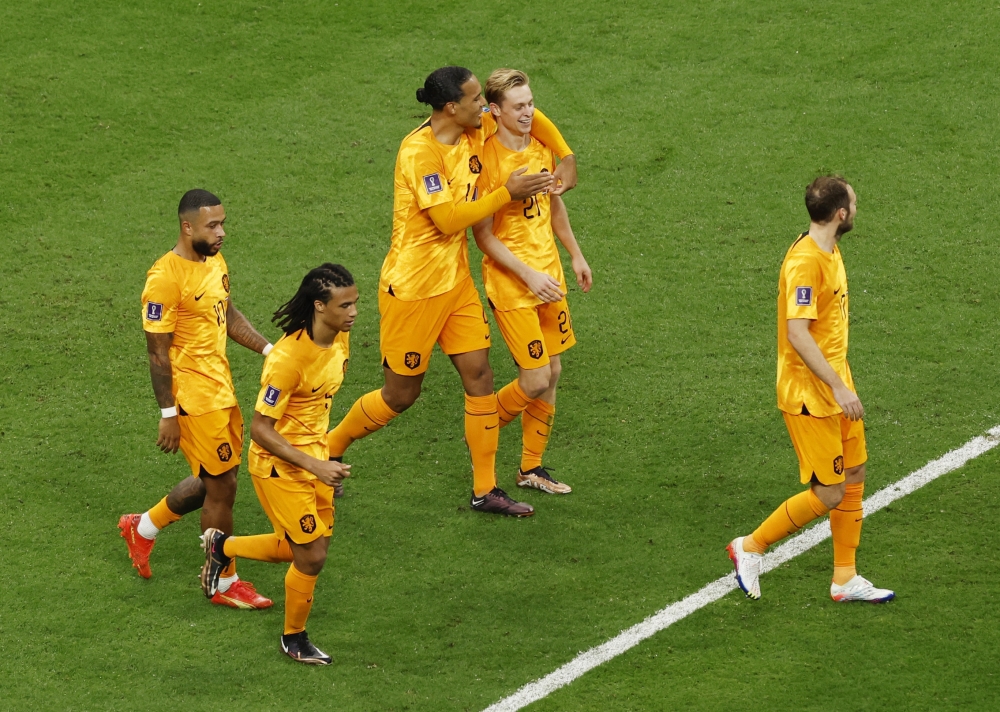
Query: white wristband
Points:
[267, 349]
[170, 412]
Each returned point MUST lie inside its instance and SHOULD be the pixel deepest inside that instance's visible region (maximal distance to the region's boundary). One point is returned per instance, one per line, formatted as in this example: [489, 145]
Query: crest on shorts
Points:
[225, 282]
[432, 183]
[271, 395]
[803, 296]
[411, 359]
[838, 464]
[535, 349]
[308, 523]
[154, 311]
[474, 165]
[225, 452]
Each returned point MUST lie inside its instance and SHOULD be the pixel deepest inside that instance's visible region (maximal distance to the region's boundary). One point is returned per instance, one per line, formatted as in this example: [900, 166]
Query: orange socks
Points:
[368, 414]
[536, 426]
[298, 599]
[845, 523]
[511, 400]
[787, 519]
[262, 547]
[161, 516]
[482, 434]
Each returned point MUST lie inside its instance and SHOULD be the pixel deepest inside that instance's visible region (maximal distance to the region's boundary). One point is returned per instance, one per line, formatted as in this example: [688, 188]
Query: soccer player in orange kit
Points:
[818, 400]
[523, 274]
[426, 293]
[289, 462]
[187, 316]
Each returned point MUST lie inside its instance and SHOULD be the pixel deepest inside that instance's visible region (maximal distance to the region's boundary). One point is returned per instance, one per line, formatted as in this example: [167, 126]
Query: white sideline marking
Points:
[589, 659]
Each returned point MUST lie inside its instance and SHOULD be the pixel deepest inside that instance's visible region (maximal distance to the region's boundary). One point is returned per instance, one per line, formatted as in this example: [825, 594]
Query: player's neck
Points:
[824, 235]
[322, 335]
[445, 129]
[511, 140]
[184, 250]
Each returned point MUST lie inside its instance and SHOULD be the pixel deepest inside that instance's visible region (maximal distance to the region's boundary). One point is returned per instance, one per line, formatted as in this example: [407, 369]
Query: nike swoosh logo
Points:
[319, 386]
[476, 502]
[564, 340]
[199, 296]
[494, 427]
[543, 435]
[835, 291]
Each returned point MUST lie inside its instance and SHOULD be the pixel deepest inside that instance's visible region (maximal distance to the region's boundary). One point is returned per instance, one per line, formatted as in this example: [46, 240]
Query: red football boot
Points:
[241, 594]
[138, 545]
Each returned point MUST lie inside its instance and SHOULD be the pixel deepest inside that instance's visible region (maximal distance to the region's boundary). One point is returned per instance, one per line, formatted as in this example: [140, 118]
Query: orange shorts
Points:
[213, 441]
[826, 446]
[407, 332]
[533, 334]
[301, 509]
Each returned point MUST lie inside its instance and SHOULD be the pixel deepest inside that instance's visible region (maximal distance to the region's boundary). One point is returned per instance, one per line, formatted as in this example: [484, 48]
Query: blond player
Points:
[187, 315]
[523, 274]
[818, 400]
[289, 462]
[426, 293]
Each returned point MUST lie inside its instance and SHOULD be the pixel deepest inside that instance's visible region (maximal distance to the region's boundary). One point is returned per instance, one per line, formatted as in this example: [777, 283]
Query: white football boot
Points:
[860, 589]
[747, 565]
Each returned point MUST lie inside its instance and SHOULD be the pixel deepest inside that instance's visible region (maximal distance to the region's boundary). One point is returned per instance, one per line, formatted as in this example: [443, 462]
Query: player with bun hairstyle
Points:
[289, 460]
[426, 292]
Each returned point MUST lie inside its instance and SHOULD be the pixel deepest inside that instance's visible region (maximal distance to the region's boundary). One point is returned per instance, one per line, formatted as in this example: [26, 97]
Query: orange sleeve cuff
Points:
[545, 131]
[451, 218]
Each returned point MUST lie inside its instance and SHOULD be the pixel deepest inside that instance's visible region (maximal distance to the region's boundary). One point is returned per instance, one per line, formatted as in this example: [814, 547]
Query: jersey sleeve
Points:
[279, 380]
[160, 299]
[802, 283]
[424, 173]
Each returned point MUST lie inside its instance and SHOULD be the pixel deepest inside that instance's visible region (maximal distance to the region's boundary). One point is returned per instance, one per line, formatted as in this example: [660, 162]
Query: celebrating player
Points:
[426, 293]
[187, 313]
[523, 274]
[817, 398]
[288, 453]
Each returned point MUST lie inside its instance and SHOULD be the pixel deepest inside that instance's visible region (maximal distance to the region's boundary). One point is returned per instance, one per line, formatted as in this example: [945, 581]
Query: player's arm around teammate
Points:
[289, 464]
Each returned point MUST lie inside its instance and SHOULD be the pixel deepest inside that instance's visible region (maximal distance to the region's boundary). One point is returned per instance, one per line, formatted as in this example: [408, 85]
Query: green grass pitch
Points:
[697, 127]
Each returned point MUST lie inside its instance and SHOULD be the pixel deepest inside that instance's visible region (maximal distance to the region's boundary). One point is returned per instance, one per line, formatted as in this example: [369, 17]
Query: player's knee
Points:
[829, 495]
[534, 382]
[220, 488]
[401, 398]
[855, 474]
[555, 370]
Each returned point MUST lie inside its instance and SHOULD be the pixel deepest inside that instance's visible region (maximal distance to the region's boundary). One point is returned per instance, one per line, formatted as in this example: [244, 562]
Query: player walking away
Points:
[187, 313]
[523, 274]
[426, 293]
[288, 452]
[817, 398]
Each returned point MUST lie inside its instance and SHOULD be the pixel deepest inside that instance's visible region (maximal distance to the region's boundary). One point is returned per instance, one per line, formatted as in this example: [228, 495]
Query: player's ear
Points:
[319, 306]
[495, 110]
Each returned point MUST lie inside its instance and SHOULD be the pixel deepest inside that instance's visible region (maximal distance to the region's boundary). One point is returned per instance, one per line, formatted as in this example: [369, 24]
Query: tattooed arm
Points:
[158, 347]
[241, 330]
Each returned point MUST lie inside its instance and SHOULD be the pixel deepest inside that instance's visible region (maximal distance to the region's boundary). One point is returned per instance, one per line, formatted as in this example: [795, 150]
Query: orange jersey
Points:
[524, 226]
[422, 261]
[812, 285]
[297, 389]
[190, 300]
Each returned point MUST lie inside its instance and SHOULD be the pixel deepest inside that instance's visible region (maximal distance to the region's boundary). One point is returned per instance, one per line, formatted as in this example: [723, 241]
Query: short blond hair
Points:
[501, 81]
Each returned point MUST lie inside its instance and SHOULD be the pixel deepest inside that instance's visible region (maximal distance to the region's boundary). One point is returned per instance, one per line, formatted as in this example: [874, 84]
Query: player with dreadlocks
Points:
[292, 474]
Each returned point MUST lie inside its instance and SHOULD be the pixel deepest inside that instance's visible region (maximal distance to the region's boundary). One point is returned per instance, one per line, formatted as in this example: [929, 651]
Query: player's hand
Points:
[543, 286]
[849, 402]
[169, 435]
[584, 277]
[330, 472]
[565, 175]
[521, 186]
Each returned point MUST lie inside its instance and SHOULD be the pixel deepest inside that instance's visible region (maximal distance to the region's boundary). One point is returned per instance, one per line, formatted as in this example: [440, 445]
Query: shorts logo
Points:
[154, 311]
[838, 465]
[474, 165]
[535, 349]
[432, 184]
[411, 359]
[271, 395]
[803, 296]
[225, 452]
[225, 282]
[308, 524]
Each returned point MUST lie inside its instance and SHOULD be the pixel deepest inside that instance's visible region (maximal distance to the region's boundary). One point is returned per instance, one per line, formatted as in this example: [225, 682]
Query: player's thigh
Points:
[522, 332]
[557, 326]
[213, 440]
[408, 331]
[852, 435]
[818, 445]
[293, 507]
[466, 327]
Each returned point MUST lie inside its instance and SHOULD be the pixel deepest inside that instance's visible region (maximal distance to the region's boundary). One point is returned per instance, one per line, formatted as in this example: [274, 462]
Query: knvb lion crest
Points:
[225, 282]
[308, 524]
[838, 464]
[535, 349]
[225, 452]
[475, 166]
[411, 359]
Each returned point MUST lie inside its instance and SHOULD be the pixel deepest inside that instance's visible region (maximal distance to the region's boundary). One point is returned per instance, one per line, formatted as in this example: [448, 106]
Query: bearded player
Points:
[289, 462]
[523, 274]
[187, 315]
[426, 293]
[818, 400]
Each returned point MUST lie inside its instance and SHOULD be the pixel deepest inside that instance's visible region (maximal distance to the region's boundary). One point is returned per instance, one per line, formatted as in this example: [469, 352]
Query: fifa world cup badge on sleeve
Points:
[432, 183]
[271, 395]
[154, 311]
[803, 296]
